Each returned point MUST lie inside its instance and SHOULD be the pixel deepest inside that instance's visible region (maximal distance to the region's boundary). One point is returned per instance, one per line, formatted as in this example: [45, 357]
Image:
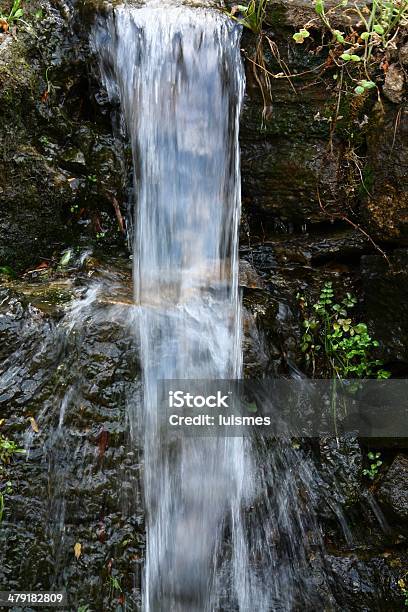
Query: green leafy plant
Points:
[374, 465]
[66, 258]
[8, 448]
[404, 589]
[15, 14]
[114, 586]
[7, 271]
[331, 337]
[252, 15]
[363, 44]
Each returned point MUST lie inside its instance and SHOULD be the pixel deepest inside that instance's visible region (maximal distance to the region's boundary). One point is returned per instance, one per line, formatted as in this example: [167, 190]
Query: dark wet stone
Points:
[341, 463]
[367, 585]
[393, 88]
[385, 211]
[385, 293]
[80, 482]
[58, 147]
[393, 490]
[248, 276]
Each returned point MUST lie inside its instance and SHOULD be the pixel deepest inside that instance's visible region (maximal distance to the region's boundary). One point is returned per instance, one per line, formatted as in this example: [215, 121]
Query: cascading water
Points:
[179, 78]
[231, 522]
[226, 528]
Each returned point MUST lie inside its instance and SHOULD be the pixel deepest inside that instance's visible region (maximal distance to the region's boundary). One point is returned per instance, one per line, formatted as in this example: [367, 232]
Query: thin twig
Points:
[356, 226]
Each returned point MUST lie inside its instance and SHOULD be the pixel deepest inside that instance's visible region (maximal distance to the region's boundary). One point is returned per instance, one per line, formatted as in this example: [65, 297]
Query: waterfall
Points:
[230, 521]
[177, 73]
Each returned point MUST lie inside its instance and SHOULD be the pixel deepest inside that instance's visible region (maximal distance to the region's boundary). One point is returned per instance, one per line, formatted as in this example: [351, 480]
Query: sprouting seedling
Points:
[8, 448]
[15, 14]
[252, 15]
[50, 88]
[375, 463]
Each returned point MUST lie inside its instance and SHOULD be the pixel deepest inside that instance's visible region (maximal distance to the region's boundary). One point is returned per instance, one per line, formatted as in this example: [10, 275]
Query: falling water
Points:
[226, 526]
[178, 75]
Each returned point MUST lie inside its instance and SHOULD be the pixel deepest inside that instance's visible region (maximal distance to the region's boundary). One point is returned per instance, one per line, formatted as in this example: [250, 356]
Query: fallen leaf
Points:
[33, 424]
[101, 535]
[103, 442]
[4, 25]
[77, 550]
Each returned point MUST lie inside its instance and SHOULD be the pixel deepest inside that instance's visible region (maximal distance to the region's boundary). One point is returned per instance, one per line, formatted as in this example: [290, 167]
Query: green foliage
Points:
[66, 258]
[375, 31]
[8, 448]
[404, 589]
[253, 15]
[375, 463]
[15, 14]
[342, 346]
[114, 586]
[7, 271]
[300, 36]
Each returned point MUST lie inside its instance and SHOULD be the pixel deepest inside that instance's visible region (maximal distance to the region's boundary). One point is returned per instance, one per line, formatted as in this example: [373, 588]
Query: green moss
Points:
[16, 75]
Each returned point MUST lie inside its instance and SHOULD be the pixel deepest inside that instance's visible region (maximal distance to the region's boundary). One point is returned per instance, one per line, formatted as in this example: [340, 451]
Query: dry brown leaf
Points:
[34, 425]
[77, 550]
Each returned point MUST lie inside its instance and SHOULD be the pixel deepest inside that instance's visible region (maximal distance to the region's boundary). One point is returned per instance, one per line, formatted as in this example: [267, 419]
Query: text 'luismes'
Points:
[181, 399]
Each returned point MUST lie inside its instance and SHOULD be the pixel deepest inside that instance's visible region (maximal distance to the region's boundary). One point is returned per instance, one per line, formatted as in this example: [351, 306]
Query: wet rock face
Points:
[385, 288]
[80, 480]
[393, 491]
[61, 167]
[385, 210]
[59, 158]
[394, 84]
[366, 586]
[287, 159]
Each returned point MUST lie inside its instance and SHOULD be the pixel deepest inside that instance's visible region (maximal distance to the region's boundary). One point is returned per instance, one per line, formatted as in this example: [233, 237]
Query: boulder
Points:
[393, 491]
